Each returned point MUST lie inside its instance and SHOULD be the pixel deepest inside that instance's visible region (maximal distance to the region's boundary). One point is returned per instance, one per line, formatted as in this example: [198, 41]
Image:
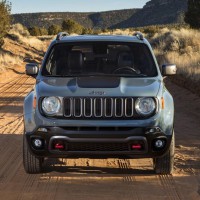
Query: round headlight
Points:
[51, 105]
[145, 106]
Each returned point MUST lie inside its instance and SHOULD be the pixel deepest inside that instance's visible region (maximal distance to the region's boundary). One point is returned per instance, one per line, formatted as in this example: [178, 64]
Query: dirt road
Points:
[112, 179]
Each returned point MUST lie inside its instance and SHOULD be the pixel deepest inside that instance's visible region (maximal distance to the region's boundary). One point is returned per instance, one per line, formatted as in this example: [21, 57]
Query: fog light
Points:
[152, 130]
[159, 143]
[37, 143]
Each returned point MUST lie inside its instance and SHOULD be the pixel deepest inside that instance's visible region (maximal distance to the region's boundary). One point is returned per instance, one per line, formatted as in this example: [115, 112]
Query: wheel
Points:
[165, 164]
[32, 164]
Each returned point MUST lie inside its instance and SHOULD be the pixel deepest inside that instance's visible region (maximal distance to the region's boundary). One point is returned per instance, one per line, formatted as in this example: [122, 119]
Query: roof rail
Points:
[61, 34]
[139, 35]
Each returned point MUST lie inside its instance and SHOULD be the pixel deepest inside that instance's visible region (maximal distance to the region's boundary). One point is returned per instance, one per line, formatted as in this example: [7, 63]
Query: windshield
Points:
[100, 59]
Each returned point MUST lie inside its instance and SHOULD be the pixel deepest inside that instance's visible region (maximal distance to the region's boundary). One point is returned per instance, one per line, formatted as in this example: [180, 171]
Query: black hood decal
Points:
[98, 82]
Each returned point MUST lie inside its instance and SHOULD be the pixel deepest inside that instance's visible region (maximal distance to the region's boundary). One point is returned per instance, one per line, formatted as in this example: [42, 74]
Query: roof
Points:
[107, 38]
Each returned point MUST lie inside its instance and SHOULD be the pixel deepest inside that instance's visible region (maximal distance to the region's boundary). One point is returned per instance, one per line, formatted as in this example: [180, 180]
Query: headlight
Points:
[145, 106]
[51, 105]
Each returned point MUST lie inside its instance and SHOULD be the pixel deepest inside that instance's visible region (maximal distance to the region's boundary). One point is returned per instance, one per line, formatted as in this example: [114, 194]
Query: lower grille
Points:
[93, 145]
[97, 147]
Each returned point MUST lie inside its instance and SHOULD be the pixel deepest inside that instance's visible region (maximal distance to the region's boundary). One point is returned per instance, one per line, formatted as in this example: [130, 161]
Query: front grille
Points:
[97, 147]
[99, 108]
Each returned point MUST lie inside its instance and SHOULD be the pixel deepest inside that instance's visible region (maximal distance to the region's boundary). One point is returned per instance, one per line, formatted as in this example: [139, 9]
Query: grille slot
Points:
[99, 108]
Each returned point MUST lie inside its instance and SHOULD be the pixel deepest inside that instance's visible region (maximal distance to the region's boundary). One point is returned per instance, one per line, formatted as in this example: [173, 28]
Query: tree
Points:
[54, 29]
[5, 9]
[192, 16]
[72, 27]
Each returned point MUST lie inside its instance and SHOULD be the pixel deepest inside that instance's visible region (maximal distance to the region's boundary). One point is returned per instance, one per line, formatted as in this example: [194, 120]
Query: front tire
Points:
[165, 164]
[32, 164]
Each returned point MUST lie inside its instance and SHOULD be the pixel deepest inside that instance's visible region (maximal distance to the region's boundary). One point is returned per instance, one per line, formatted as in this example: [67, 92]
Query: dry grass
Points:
[181, 47]
[119, 32]
[19, 45]
[19, 33]
[7, 61]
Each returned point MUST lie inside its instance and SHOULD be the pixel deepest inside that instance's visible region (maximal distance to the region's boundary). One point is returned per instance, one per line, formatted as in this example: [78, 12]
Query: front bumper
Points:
[98, 142]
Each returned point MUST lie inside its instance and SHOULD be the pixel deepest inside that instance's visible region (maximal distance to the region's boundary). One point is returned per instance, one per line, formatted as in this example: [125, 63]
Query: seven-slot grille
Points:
[99, 108]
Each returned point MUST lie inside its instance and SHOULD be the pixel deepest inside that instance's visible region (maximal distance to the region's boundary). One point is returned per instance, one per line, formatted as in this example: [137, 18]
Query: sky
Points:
[27, 6]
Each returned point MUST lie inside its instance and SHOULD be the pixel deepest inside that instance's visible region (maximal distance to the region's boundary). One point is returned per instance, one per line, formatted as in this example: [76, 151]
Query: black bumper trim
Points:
[98, 136]
[127, 141]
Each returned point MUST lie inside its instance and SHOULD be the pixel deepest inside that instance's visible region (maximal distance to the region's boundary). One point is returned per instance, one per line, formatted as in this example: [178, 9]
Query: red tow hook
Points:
[136, 146]
[59, 146]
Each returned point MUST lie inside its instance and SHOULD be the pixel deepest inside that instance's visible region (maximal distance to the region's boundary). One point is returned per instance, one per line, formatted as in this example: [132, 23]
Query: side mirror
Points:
[169, 69]
[32, 69]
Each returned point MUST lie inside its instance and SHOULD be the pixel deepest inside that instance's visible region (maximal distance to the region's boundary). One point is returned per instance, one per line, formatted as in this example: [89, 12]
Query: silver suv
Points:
[99, 97]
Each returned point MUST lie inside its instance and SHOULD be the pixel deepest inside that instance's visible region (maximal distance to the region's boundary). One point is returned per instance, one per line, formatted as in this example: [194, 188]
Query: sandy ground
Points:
[112, 179]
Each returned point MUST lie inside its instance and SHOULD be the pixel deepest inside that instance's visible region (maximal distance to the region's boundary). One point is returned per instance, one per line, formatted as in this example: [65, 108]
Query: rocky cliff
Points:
[157, 12]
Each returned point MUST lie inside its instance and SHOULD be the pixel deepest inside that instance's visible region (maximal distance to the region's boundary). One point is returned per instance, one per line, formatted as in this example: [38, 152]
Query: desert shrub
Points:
[43, 31]
[12, 36]
[87, 31]
[36, 31]
[71, 26]
[105, 30]
[177, 40]
[8, 60]
[19, 29]
[97, 31]
[150, 30]
[181, 47]
[19, 34]
[54, 29]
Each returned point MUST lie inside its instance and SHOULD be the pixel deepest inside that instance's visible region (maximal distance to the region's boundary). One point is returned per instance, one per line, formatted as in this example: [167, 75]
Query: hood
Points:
[98, 86]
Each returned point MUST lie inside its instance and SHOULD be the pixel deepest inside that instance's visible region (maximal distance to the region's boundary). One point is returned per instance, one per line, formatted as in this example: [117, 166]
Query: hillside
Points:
[157, 12]
[89, 20]
[154, 12]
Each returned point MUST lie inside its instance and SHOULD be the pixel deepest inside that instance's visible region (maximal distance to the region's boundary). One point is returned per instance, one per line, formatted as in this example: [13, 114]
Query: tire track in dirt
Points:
[14, 98]
[11, 157]
[124, 165]
[7, 85]
[168, 184]
[45, 184]
[13, 93]
[166, 181]
[13, 126]
[29, 185]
